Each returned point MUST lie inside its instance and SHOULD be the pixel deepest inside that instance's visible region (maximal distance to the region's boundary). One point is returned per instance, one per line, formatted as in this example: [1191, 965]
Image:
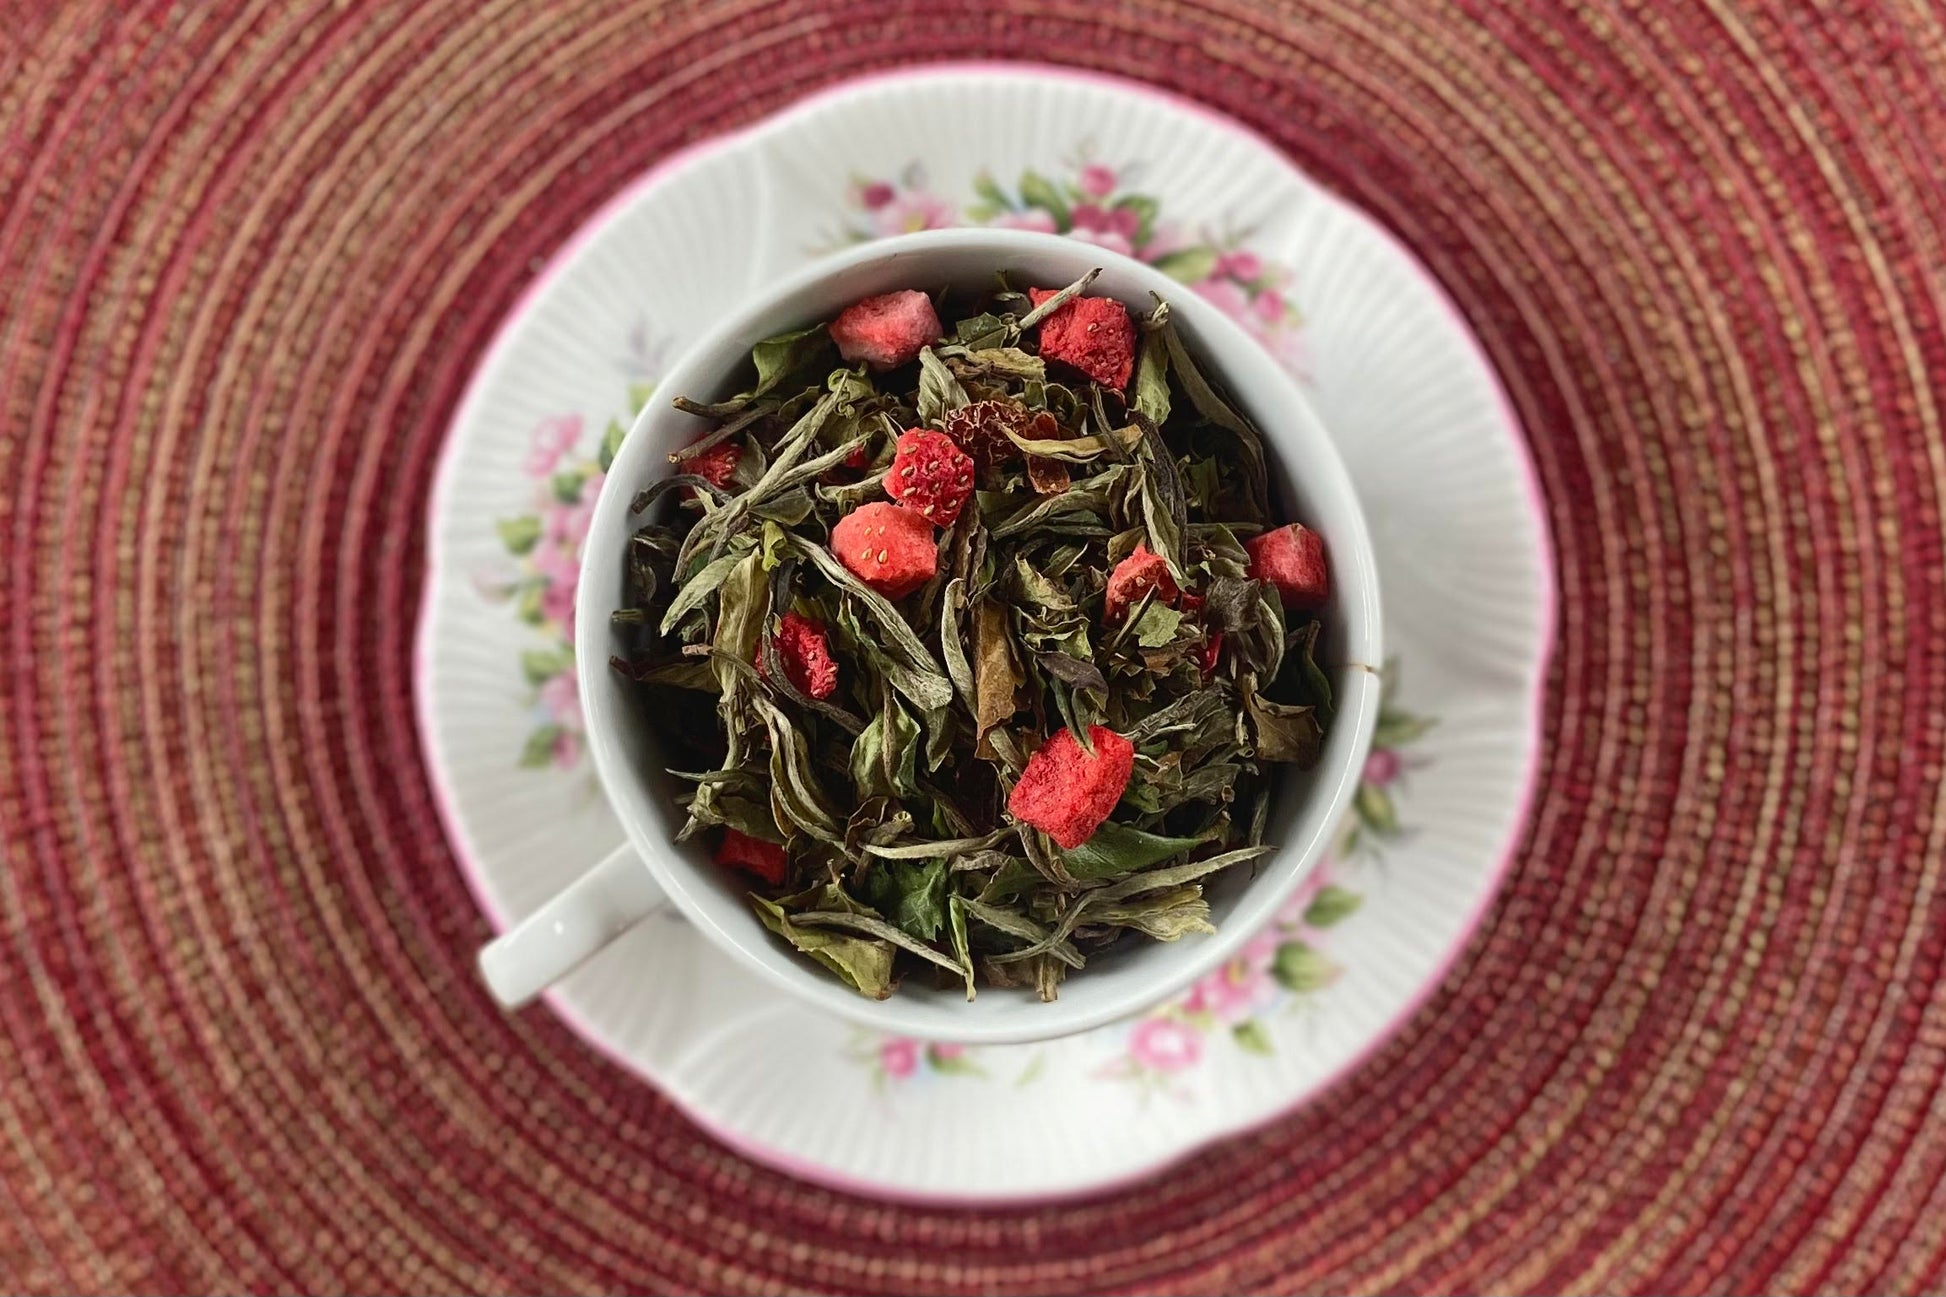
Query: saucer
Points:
[1429, 438]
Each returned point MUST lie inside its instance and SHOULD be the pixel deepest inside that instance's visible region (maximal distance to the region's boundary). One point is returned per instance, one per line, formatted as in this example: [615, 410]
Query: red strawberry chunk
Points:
[1065, 792]
[888, 330]
[889, 548]
[930, 475]
[1093, 334]
[1291, 558]
[716, 464]
[1133, 577]
[806, 652]
[764, 859]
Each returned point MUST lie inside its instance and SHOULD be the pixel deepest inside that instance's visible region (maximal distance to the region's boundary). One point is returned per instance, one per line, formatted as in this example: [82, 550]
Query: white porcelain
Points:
[1307, 475]
[1461, 544]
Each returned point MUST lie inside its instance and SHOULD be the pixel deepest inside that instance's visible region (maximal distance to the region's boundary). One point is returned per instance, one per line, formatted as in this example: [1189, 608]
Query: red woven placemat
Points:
[249, 255]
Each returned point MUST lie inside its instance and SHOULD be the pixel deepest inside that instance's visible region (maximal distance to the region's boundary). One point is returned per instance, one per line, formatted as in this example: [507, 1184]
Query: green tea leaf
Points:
[1117, 849]
[697, 589]
[1168, 915]
[912, 894]
[1076, 450]
[778, 358]
[863, 964]
[939, 392]
[1157, 625]
[962, 948]
[1151, 387]
[1282, 732]
[982, 331]
[1331, 905]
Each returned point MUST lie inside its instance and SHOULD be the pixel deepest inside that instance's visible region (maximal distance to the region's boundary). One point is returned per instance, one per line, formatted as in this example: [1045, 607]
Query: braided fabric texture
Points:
[250, 254]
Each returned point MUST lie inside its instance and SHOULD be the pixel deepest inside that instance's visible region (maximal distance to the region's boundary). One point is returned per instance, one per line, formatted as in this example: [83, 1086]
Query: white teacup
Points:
[653, 870]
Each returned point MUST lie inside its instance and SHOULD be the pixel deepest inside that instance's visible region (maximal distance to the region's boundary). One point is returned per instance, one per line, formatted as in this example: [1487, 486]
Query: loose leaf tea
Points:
[1026, 700]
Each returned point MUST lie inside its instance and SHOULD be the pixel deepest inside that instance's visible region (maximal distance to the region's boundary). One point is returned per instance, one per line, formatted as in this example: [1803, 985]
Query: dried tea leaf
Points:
[864, 965]
[939, 392]
[1117, 849]
[1281, 732]
[1078, 450]
[996, 674]
[1162, 916]
[911, 894]
[1073, 671]
[1151, 398]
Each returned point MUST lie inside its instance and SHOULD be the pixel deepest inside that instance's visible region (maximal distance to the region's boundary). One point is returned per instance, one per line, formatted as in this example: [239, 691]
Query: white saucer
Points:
[1430, 440]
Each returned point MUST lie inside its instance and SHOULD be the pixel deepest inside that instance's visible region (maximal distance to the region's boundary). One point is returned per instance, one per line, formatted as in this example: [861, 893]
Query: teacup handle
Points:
[551, 942]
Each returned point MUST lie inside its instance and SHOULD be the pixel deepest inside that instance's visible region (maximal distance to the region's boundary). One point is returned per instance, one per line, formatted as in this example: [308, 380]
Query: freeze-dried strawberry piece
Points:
[889, 548]
[1291, 558]
[1065, 792]
[1133, 577]
[930, 475]
[980, 429]
[764, 859]
[716, 464]
[1093, 334]
[806, 653]
[888, 330]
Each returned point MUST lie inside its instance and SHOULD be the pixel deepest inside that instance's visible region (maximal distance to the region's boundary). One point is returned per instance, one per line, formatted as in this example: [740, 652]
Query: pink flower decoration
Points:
[1031, 219]
[1270, 307]
[567, 749]
[1240, 264]
[566, 525]
[898, 1056]
[1381, 767]
[1104, 239]
[560, 697]
[494, 582]
[912, 212]
[1232, 993]
[1097, 181]
[1226, 296]
[554, 438]
[1120, 221]
[557, 606]
[948, 1051]
[1164, 1045]
[876, 195]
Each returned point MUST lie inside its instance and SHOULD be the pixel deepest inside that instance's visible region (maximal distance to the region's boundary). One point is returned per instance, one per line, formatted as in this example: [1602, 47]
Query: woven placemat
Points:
[249, 255]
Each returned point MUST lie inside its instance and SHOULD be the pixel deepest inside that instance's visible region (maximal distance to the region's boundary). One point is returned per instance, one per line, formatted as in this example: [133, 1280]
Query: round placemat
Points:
[251, 254]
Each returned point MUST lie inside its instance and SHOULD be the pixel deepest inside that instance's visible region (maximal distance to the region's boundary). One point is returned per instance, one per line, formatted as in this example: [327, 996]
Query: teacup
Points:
[653, 870]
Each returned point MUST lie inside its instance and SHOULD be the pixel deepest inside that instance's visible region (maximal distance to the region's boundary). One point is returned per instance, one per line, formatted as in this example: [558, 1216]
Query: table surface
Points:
[249, 255]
